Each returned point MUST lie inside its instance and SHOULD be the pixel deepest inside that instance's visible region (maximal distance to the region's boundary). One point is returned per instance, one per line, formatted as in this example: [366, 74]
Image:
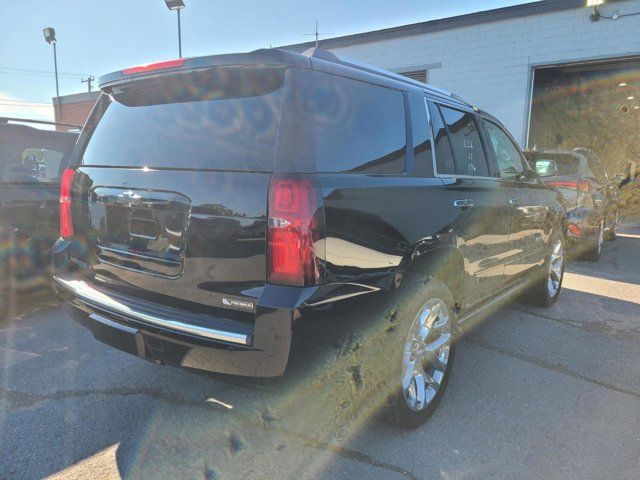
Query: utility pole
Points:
[317, 34]
[179, 36]
[88, 81]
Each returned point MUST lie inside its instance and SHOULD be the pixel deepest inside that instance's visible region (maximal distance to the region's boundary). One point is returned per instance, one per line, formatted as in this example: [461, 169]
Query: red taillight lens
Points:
[574, 229]
[66, 225]
[293, 232]
[582, 186]
[566, 184]
[154, 66]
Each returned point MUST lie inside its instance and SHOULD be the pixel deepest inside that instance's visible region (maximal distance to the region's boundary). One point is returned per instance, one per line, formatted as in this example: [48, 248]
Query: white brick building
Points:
[489, 58]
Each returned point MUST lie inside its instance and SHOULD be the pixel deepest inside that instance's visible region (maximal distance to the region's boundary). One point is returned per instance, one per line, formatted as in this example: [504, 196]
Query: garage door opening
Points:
[594, 106]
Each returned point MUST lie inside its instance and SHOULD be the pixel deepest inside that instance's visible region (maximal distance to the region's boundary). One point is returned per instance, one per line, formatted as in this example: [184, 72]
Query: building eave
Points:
[476, 18]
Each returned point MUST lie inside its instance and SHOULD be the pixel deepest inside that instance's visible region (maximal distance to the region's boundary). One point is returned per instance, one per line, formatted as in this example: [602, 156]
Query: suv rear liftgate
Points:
[164, 218]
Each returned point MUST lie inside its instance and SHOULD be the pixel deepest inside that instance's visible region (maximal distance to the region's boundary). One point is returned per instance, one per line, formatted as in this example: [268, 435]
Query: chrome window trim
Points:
[433, 145]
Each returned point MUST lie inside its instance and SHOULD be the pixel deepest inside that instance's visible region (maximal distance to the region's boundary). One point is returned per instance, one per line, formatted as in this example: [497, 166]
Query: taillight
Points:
[293, 232]
[581, 186]
[150, 67]
[66, 225]
[574, 229]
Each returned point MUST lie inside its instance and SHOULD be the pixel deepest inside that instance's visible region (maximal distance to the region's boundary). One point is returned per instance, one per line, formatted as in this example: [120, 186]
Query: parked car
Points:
[591, 198]
[214, 201]
[31, 162]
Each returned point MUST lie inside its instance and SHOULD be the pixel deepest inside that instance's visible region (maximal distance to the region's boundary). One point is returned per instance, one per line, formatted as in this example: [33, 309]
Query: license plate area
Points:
[119, 336]
[140, 230]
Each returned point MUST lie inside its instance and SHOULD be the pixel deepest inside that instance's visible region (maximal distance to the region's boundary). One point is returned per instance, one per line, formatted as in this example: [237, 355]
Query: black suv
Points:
[31, 163]
[214, 201]
[591, 199]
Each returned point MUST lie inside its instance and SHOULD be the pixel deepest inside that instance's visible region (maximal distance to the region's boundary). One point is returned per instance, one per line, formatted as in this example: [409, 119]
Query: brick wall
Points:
[74, 109]
[490, 64]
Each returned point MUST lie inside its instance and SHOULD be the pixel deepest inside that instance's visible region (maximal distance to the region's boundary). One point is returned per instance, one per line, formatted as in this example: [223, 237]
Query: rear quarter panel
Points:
[378, 225]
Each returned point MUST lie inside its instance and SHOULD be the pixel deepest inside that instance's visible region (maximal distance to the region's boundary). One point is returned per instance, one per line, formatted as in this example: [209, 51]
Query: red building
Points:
[74, 109]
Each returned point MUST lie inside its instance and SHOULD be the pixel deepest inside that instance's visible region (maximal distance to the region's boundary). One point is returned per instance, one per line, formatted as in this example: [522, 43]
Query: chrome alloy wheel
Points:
[556, 265]
[426, 354]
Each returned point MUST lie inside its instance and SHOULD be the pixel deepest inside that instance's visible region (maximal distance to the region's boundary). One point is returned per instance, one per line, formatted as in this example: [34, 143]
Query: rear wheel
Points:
[546, 290]
[594, 250]
[425, 352]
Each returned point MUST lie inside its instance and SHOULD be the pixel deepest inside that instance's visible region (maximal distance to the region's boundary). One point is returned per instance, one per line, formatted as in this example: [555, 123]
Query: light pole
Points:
[177, 5]
[50, 37]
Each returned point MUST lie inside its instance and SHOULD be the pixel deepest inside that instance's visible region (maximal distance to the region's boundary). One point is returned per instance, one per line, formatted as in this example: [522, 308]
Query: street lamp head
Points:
[174, 4]
[49, 34]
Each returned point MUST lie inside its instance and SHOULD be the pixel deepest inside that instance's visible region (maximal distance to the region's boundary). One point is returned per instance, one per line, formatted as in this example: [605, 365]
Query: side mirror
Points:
[546, 168]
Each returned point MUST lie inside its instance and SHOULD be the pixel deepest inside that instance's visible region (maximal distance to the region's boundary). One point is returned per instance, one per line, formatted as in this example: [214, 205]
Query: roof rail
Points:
[43, 122]
[332, 57]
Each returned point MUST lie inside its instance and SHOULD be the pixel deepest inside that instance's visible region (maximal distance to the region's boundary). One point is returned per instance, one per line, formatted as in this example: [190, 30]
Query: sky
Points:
[97, 37]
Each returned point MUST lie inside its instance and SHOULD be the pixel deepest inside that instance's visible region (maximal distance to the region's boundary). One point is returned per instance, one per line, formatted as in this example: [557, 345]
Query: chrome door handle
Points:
[514, 201]
[463, 203]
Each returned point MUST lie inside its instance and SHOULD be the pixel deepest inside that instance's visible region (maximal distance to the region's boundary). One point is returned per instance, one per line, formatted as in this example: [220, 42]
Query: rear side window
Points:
[567, 164]
[357, 126]
[220, 119]
[465, 141]
[422, 150]
[444, 155]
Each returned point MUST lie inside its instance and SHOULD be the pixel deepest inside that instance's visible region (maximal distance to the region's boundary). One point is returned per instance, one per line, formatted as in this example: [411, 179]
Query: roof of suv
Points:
[314, 58]
[579, 153]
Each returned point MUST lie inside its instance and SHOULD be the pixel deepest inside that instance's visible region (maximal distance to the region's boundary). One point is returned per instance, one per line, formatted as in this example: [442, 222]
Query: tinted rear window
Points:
[444, 156]
[465, 141]
[336, 124]
[567, 164]
[220, 119]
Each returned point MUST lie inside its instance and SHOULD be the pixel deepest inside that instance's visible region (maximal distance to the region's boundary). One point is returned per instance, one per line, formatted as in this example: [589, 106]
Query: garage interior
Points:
[590, 105]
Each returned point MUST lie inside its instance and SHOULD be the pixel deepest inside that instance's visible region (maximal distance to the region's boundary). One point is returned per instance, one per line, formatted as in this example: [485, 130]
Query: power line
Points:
[7, 101]
[28, 74]
[22, 101]
[25, 106]
[31, 70]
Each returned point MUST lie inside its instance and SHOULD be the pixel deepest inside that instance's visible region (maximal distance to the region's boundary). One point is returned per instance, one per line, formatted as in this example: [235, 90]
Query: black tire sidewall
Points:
[412, 296]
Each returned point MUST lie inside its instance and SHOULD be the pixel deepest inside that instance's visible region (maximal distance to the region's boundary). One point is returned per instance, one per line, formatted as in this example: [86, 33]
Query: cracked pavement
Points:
[535, 393]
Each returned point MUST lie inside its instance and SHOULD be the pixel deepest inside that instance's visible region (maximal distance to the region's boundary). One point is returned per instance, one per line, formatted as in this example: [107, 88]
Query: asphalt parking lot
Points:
[535, 393]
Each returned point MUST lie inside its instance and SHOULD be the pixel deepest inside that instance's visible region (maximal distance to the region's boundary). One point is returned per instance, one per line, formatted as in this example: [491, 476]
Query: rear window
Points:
[359, 127]
[465, 141]
[219, 119]
[444, 156]
[335, 124]
[567, 164]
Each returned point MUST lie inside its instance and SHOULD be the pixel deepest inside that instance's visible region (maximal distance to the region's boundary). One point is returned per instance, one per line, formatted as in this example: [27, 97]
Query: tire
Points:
[594, 249]
[611, 232]
[420, 370]
[547, 287]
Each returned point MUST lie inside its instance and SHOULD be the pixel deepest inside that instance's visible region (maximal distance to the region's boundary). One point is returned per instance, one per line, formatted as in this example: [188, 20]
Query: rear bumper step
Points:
[88, 294]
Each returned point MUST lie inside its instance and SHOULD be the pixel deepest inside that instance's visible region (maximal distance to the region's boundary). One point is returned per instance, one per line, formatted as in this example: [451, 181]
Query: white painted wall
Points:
[490, 64]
